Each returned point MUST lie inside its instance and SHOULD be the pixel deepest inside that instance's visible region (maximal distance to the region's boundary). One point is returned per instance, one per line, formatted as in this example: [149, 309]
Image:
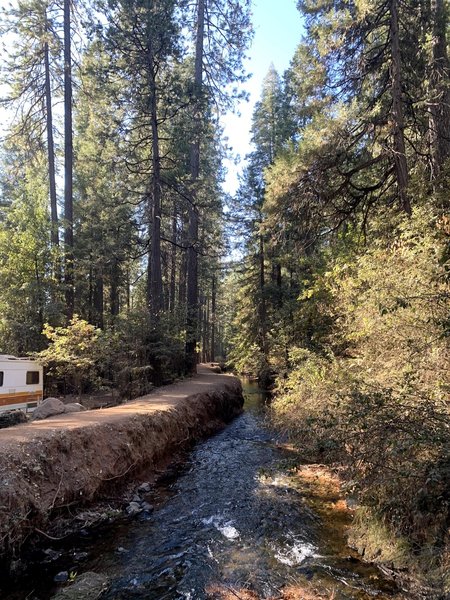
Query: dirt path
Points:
[71, 460]
[161, 399]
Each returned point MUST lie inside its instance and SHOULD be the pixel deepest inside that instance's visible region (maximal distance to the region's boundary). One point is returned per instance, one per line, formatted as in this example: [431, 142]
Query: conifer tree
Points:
[68, 164]
[27, 290]
[144, 37]
[103, 222]
[439, 93]
[220, 31]
[31, 70]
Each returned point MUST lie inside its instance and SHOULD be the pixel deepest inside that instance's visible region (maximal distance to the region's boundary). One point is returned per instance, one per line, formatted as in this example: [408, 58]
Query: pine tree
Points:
[439, 100]
[103, 221]
[32, 72]
[144, 37]
[221, 32]
[68, 164]
[27, 286]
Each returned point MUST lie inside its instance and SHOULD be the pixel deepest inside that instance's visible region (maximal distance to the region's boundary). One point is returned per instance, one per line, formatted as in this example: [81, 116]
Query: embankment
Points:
[73, 460]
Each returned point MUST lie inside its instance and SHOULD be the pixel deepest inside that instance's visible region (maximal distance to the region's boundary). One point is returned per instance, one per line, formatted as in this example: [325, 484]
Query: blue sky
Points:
[278, 31]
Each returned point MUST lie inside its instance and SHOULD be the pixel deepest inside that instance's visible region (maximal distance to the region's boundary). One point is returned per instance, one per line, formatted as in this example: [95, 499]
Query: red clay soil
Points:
[71, 460]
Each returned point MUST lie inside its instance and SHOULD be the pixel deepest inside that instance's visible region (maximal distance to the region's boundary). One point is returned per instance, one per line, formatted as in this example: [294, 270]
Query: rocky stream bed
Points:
[235, 517]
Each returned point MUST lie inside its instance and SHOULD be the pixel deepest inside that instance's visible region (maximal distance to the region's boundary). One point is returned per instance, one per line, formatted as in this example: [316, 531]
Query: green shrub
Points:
[133, 382]
[73, 355]
[374, 393]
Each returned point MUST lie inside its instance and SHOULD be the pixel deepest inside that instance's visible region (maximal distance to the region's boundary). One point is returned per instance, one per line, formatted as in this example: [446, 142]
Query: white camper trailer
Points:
[21, 383]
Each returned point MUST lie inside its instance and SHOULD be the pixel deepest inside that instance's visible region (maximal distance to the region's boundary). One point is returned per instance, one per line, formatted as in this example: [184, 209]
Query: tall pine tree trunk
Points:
[399, 149]
[205, 329]
[182, 279]
[213, 320]
[155, 300]
[98, 303]
[439, 90]
[128, 291]
[68, 166]
[173, 261]
[114, 304]
[50, 149]
[262, 312]
[192, 258]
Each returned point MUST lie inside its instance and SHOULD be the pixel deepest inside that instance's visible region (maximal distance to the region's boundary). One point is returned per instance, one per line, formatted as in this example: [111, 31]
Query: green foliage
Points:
[27, 290]
[373, 395]
[31, 26]
[137, 118]
[133, 382]
[104, 220]
[73, 354]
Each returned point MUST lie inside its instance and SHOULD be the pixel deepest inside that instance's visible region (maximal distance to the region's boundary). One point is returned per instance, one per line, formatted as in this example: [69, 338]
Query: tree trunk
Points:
[192, 291]
[192, 258]
[213, 320]
[439, 90]
[50, 149]
[156, 286]
[114, 305]
[399, 149]
[182, 268]
[182, 281]
[98, 298]
[262, 300]
[173, 261]
[128, 291]
[91, 291]
[40, 296]
[220, 342]
[279, 285]
[204, 333]
[165, 268]
[68, 166]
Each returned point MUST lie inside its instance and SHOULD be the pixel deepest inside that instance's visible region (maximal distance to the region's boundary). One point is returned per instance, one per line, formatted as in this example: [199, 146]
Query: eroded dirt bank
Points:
[71, 460]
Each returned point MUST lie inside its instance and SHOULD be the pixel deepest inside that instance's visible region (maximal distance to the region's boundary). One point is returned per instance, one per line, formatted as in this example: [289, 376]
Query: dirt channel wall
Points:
[72, 460]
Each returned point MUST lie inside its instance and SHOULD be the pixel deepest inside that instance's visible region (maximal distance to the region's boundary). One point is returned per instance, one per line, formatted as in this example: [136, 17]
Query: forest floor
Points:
[71, 460]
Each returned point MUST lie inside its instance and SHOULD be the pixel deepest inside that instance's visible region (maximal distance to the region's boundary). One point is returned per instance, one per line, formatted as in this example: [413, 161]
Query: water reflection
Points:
[257, 400]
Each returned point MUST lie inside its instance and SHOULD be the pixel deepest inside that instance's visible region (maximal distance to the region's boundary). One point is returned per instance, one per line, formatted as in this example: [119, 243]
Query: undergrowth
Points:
[372, 391]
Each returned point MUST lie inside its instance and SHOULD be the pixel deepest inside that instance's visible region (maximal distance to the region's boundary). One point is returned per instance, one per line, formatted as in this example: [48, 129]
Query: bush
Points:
[73, 355]
[135, 356]
[133, 382]
[374, 393]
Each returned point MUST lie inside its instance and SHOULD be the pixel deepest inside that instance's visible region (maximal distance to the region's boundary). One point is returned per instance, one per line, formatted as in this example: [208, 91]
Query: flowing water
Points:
[231, 515]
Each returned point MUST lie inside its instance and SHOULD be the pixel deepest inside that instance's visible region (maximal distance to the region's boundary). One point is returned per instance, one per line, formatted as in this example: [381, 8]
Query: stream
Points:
[229, 516]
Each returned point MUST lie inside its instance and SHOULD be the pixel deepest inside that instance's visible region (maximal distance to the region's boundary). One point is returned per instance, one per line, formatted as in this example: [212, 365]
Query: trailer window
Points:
[1, 378]
[32, 377]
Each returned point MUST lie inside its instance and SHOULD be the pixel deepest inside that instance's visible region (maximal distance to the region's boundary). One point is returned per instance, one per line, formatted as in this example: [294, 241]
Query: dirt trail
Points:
[161, 399]
[71, 460]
